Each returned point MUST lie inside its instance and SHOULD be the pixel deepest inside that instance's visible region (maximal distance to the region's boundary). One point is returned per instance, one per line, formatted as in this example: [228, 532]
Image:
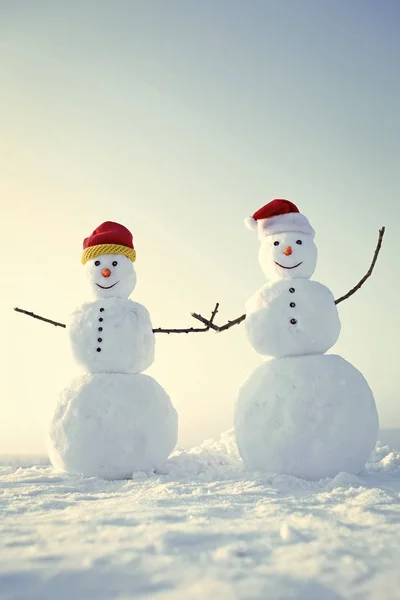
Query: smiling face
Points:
[111, 276]
[288, 256]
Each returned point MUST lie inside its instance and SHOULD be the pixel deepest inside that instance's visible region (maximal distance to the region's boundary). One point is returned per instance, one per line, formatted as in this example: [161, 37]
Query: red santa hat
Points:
[279, 216]
[109, 238]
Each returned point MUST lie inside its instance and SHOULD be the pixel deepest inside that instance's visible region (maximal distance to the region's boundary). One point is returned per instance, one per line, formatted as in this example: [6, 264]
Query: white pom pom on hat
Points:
[279, 216]
[250, 223]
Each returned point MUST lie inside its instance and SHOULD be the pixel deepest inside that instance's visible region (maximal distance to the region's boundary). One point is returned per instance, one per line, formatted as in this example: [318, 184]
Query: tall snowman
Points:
[112, 420]
[301, 412]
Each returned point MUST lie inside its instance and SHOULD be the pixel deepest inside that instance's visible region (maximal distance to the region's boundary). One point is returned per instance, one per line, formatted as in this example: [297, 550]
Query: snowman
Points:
[302, 412]
[112, 420]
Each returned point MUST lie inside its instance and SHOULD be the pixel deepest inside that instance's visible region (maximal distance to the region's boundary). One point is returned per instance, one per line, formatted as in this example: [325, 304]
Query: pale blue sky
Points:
[178, 119]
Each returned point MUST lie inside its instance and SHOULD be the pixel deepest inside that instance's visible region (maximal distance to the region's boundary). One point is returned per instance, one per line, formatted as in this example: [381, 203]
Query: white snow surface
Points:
[270, 312]
[125, 332]
[308, 416]
[109, 425]
[202, 527]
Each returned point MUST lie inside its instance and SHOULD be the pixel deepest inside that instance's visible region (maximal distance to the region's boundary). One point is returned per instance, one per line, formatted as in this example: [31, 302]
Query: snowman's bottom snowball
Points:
[308, 416]
[110, 425]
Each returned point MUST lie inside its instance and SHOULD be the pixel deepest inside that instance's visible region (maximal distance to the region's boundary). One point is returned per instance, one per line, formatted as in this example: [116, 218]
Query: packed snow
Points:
[201, 527]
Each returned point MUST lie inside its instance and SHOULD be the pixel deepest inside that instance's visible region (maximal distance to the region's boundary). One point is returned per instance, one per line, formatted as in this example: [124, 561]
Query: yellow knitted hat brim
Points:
[93, 251]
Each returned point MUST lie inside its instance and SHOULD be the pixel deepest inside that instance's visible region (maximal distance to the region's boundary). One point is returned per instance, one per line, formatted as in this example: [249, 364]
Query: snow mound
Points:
[211, 460]
[383, 459]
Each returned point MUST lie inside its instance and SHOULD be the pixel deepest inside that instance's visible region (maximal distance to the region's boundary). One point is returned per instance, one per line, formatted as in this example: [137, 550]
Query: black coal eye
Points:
[276, 243]
[97, 263]
[114, 264]
[299, 242]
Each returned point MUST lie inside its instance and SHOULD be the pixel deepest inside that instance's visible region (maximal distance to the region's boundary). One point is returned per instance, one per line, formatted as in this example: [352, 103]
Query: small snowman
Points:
[112, 420]
[301, 412]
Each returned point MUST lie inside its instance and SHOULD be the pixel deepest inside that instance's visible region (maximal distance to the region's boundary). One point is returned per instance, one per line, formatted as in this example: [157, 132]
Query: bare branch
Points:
[187, 330]
[230, 324]
[31, 314]
[213, 314]
[227, 325]
[369, 272]
[208, 322]
[158, 330]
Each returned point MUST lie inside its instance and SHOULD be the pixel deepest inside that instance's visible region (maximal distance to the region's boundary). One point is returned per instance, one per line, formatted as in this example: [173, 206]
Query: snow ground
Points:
[202, 528]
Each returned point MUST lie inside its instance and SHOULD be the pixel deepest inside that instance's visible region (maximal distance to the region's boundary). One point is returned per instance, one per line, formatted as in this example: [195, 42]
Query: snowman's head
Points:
[287, 248]
[111, 276]
[108, 256]
[288, 255]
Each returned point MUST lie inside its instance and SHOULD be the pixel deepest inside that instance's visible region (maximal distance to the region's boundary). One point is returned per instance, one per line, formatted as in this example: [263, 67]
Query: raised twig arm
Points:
[239, 320]
[208, 324]
[369, 272]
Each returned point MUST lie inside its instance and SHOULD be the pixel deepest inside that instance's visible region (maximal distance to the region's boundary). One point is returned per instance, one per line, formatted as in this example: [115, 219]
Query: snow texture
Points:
[272, 310]
[201, 528]
[112, 335]
[309, 416]
[109, 425]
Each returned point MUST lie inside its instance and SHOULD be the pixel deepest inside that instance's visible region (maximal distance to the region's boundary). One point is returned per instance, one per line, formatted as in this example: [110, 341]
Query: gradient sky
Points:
[178, 119]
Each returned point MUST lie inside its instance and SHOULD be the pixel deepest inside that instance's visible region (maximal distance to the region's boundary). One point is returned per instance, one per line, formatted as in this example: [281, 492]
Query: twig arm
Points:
[230, 324]
[227, 325]
[369, 272]
[187, 330]
[207, 322]
[31, 314]
[213, 314]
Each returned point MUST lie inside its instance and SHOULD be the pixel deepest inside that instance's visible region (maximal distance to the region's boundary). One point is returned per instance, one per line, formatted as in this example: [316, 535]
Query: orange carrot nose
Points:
[288, 251]
[106, 272]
